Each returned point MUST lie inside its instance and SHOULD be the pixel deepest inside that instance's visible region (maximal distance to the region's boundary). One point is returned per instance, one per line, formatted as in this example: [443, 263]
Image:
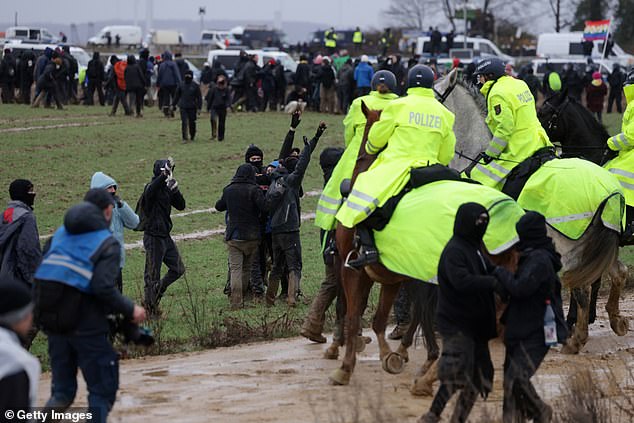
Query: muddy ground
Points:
[285, 381]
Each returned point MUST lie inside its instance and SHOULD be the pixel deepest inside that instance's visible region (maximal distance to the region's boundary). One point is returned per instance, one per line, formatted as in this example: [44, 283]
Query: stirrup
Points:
[364, 258]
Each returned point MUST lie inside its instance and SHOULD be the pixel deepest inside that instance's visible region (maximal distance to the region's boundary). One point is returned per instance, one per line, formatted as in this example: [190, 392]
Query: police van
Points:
[569, 46]
[30, 34]
[475, 47]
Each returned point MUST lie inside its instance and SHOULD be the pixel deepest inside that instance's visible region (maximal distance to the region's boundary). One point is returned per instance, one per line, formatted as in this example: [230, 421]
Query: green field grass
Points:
[60, 150]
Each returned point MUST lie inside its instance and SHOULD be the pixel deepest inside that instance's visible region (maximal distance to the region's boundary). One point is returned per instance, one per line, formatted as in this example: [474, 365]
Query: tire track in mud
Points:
[58, 126]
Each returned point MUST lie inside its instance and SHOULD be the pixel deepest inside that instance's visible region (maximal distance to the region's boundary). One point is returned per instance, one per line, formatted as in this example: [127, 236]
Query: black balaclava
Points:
[245, 173]
[471, 223]
[290, 163]
[254, 150]
[158, 165]
[20, 190]
[531, 229]
[189, 76]
[328, 159]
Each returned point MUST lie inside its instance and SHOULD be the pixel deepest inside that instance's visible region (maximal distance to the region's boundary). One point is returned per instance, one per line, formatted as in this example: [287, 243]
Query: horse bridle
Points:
[553, 121]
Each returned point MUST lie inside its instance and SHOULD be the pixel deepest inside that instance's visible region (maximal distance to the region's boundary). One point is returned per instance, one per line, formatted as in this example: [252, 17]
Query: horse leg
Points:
[392, 362]
[428, 374]
[618, 276]
[332, 352]
[579, 336]
[356, 286]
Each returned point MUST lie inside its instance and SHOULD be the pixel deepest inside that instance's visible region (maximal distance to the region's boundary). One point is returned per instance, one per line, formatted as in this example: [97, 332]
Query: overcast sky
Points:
[338, 12]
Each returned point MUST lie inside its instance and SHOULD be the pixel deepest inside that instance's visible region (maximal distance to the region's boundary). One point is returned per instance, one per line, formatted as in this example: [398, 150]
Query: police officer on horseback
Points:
[623, 165]
[414, 132]
[519, 140]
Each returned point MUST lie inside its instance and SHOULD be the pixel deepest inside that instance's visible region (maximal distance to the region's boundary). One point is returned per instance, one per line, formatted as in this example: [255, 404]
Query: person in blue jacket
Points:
[363, 74]
[122, 216]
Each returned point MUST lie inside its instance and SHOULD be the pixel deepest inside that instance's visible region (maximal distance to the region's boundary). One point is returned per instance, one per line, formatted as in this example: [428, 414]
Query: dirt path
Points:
[285, 381]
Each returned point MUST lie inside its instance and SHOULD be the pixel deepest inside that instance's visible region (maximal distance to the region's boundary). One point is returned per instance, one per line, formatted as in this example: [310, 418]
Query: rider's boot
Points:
[368, 254]
[627, 237]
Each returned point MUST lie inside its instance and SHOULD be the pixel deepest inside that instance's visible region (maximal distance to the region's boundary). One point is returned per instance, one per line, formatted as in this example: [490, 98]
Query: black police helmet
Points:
[630, 78]
[490, 66]
[420, 76]
[384, 77]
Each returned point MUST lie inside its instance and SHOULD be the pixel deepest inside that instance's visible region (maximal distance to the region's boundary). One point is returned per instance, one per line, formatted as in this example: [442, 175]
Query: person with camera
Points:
[154, 209]
[122, 216]
[75, 293]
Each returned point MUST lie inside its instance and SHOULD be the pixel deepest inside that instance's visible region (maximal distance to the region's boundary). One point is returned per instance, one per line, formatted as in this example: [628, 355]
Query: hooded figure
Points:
[534, 287]
[20, 251]
[243, 200]
[122, 215]
[465, 316]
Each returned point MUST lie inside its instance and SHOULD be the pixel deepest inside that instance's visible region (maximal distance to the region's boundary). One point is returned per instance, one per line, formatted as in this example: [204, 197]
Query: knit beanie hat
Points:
[15, 302]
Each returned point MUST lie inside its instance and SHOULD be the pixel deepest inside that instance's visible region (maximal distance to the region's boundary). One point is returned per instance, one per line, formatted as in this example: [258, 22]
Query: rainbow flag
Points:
[596, 30]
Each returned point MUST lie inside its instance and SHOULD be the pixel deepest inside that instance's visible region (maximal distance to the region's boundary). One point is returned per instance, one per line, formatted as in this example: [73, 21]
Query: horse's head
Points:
[444, 85]
[570, 124]
[364, 160]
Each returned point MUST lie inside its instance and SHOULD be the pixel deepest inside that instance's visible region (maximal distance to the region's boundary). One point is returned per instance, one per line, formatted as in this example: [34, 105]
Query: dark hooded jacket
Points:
[534, 282]
[244, 202]
[105, 297]
[284, 207]
[168, 73]
[158, 203]
[95, 70]
[466, 302]
[20, 251]
[134, 76]
[188, 95]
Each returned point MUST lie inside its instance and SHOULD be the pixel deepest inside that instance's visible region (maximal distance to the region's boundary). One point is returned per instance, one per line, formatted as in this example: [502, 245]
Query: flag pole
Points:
[605, 43]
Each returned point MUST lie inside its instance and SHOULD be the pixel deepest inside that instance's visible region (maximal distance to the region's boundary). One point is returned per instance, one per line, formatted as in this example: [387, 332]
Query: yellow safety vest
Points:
[517, 133]
[330, 39]
[354, 123]
[414, 131]
[357, 37]
[622, 166]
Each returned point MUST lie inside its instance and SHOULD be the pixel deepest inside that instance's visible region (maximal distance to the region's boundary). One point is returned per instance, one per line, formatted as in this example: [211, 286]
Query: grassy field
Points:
[60, 150]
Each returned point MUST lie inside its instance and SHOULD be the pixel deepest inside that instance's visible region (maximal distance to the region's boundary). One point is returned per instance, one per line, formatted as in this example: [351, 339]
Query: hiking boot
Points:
[367, 256]
[399, 331]
[315, 337]
[429, 417]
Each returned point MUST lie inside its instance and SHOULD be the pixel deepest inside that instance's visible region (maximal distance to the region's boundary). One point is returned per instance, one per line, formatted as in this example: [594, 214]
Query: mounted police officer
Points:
[75, 292]
[623, 165]
[517, 133]
[383, 87]
[414, 132]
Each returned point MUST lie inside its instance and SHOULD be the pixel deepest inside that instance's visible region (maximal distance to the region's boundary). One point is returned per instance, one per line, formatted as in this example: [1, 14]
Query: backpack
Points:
[140, 211]
[119, 70]
[57, 307]
[275, 193]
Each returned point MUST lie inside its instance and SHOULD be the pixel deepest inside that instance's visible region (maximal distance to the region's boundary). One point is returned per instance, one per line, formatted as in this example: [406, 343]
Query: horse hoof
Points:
[571, 347]
[339, 377]
[393, 363]
[619, 325]
[361, 343]
[421, 388]
[332, 352]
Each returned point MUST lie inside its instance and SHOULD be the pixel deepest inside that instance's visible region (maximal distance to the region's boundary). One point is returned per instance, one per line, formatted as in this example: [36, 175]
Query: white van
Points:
[18, 47]
[229, 59]
[28, 34]
[218, 39]
[130, 35]
[480, 47]
[568, 45]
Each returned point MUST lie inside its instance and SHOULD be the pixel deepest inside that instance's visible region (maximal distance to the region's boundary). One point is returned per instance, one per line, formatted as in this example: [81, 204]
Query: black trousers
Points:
[119, 97]
[90, 92]
[616, 95]
[521, 401]
[252, 98]
[159, 250]
[165, 96]
[25, 91]
[188, 121]
[218, 118]
[138, 99]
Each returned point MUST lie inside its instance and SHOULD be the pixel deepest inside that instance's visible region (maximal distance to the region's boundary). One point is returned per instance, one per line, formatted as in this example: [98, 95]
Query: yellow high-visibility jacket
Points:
[622, 166]
[414, 131]
[517, 133]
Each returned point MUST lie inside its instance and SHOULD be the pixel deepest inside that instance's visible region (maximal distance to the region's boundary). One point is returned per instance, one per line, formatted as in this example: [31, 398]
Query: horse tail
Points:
[424, 301]
[599, 249]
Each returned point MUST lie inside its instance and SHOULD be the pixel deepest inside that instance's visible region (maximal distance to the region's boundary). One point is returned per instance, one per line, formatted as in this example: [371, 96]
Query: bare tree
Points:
[410, 13]
[450, 12]
[562, 17]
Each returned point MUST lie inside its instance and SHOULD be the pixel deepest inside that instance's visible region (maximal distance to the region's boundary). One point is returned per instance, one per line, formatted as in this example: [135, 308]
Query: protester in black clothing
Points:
[182, 65]
[250, 80]
[572, 81]
[449, 37]
[218, 101]
[465, 316]
[73, 307]
[302, 73]
[244, 202]
[95, 75]
[268, 86]
[237, 82]
[159, 196]
[72, 71]
[189, 101]
[147, 68]
[20, 371]
[8, 70]
[282, 204]
[26, 70]
[616, 80]
[435, 39]
[534, 287]
[216, 70]
[345, 86]
[587, 46]
[135, 83]
[280, 84]
[47, 83]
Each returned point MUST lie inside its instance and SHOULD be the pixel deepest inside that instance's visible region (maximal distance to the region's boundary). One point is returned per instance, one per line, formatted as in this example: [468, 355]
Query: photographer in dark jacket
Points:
[282, 203]
[465, 317]
[135, 83]
[159, 196]
[95, 74]
[189, 101]
[534, 283]
[75, 292]
[26, 71]
[244, 202]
